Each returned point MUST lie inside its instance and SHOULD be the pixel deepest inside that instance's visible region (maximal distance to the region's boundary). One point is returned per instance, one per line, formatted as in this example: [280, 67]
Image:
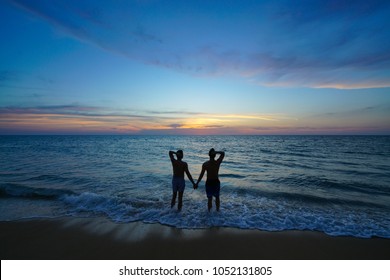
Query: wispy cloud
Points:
[375, 111]
[337, 44]
[76, 118]
[73, 111]
[11, 79]
[7, 75]
[86, 119]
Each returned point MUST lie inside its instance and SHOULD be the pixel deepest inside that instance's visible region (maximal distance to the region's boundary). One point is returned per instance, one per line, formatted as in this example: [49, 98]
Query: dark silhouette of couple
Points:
[213, 184]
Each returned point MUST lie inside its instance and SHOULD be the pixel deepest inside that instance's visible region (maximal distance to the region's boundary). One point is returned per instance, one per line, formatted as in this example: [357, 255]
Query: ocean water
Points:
[339, 185]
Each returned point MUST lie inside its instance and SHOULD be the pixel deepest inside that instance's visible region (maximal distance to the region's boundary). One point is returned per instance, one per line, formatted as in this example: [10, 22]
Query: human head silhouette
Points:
[179, 154]
[212, 153]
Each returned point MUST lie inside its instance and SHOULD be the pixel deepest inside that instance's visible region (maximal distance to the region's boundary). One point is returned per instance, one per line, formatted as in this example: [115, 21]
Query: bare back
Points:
[212, 168]
[212, 183]
[179, 167]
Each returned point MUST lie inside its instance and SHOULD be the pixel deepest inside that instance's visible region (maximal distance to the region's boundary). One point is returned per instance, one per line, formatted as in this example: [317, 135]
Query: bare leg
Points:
[180, 204]
[209, 203]
[217, 203]
[174, 194]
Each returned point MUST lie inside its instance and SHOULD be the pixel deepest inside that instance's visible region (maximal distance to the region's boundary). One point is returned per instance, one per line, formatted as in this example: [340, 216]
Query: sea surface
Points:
[339, 185]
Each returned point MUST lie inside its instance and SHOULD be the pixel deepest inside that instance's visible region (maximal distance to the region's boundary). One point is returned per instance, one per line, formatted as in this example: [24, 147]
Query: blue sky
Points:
[195, 67]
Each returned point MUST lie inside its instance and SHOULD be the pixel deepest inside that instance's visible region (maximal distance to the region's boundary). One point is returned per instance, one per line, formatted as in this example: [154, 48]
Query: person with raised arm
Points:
[213, 185]
[178, 183]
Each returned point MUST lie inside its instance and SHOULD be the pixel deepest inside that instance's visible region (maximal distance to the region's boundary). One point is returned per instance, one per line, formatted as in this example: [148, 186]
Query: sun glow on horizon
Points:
[132, 124]
[85, 68]
[166, 123]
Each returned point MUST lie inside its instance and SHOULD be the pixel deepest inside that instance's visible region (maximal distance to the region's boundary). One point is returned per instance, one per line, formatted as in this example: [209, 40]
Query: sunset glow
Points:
[195, 67]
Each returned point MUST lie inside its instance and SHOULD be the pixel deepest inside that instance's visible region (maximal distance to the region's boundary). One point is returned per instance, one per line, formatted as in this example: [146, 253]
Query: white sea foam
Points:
[194, 216]
[337, 185]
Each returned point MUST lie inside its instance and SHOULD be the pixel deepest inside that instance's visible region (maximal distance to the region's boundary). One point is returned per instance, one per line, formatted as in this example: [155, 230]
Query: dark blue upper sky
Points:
[195, 67]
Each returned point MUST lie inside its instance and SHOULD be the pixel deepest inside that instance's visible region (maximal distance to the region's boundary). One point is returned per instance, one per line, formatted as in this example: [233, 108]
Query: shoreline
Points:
[99, 238]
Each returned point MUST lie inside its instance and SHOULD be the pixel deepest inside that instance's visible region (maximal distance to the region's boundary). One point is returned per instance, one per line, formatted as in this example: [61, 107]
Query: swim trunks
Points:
[212, 188]
[178, 184]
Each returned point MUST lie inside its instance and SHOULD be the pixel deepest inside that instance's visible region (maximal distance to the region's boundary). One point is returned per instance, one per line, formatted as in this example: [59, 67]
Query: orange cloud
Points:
[85, 120]
[90, 119]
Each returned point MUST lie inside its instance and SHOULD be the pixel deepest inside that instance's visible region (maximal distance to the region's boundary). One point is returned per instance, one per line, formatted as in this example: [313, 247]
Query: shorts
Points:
[178, 184]
[212, 188]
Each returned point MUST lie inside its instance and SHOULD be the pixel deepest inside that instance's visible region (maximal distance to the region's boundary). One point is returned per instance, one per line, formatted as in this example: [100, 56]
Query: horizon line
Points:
[197, 135]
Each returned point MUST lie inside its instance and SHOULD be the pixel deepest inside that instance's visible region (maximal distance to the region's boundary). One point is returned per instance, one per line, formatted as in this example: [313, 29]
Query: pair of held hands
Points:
[195, 185]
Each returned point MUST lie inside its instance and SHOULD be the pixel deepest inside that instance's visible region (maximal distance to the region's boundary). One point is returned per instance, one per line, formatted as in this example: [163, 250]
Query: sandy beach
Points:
[85, 238]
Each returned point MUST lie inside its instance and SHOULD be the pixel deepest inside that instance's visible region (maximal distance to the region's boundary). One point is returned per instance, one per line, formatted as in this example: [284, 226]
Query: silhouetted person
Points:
[213, 184]
[178, 182]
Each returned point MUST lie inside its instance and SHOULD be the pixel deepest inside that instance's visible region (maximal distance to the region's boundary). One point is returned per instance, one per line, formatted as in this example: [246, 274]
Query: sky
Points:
[195, 67]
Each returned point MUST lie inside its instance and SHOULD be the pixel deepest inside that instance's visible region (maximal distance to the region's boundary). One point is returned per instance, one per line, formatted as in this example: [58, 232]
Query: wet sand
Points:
[86, 238]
